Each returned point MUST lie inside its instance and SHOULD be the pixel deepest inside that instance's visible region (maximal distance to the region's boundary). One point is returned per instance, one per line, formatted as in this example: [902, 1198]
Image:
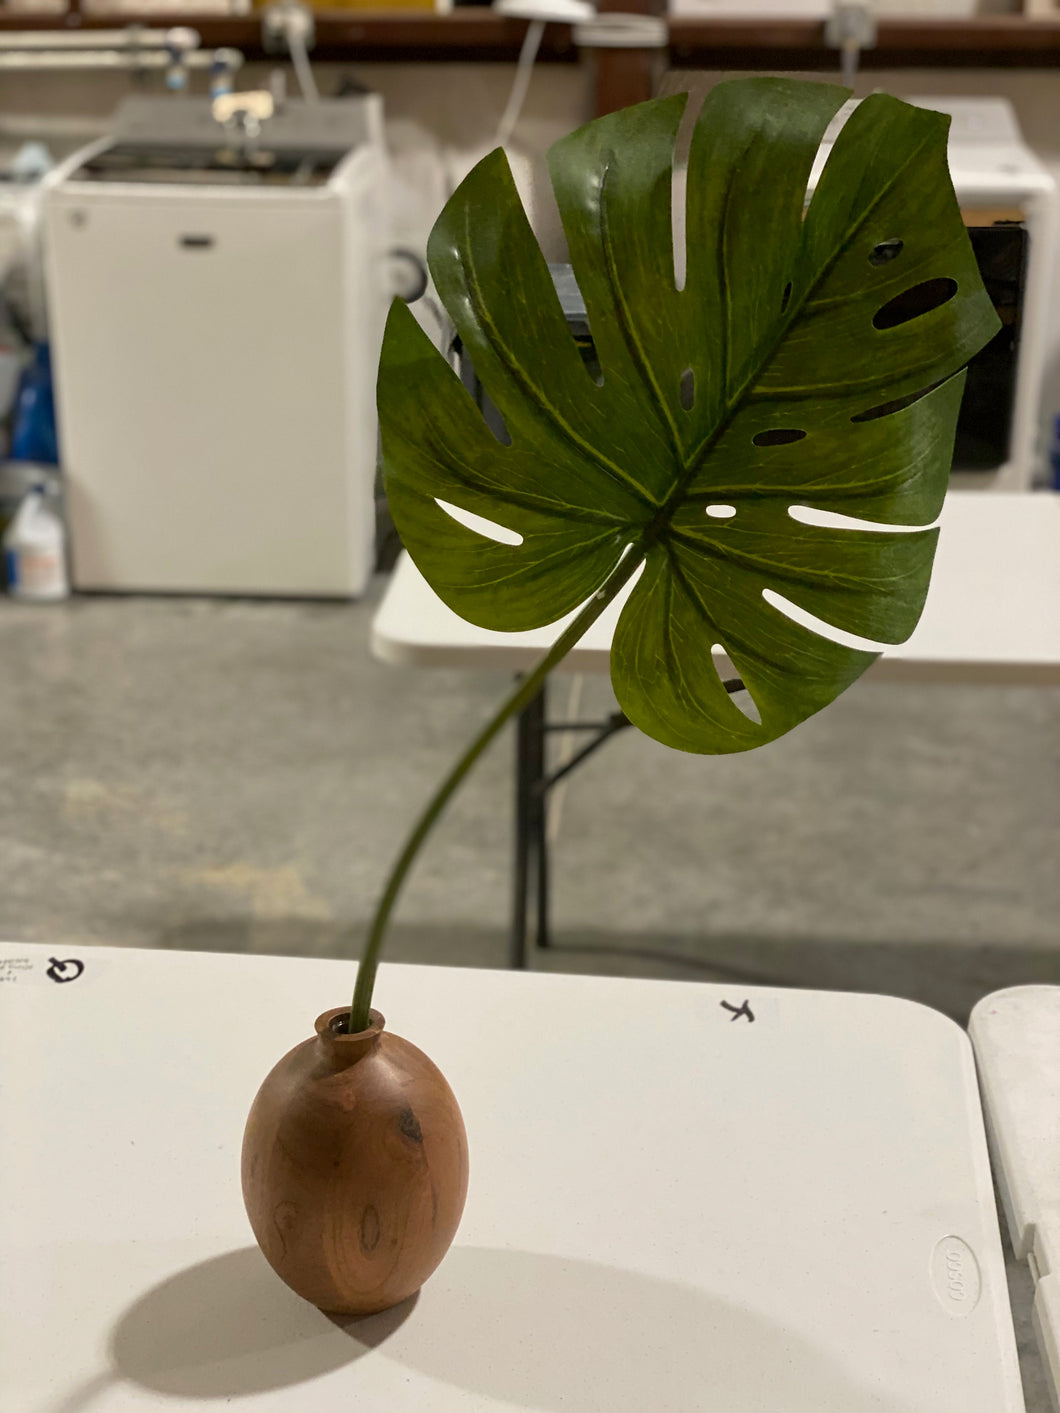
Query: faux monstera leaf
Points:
[811, 359]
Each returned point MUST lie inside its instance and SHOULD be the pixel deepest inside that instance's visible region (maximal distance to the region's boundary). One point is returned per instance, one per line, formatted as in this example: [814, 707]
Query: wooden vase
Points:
[354, 1167]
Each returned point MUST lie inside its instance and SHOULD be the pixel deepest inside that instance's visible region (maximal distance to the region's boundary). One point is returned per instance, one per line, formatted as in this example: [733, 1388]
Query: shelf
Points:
[476, 33]
[991, 41]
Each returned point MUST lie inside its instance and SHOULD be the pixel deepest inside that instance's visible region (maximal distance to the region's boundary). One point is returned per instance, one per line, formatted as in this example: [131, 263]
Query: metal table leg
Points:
[532, 784]
[531, 845]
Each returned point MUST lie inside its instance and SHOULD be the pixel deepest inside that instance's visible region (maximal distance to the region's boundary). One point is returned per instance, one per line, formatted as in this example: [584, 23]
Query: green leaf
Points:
[785, 373]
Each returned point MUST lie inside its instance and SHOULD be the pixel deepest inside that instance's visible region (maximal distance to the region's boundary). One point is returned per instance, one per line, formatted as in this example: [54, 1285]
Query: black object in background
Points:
[984, 427]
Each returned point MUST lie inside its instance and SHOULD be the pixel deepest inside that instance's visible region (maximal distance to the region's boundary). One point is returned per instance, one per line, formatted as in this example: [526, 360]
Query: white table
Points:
[992, 613]
[1016, 1035]
[992, 616]
[672, 1206]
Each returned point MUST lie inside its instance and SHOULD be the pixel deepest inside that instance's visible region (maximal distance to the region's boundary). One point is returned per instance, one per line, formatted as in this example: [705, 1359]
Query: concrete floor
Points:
[237, 775]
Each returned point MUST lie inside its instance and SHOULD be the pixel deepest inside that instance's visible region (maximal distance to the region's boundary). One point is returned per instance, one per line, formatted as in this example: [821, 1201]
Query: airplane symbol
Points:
[738, 1011]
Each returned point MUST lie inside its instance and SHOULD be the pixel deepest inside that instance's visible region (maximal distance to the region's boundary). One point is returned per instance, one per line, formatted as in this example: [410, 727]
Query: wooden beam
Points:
[622, 77]
[988, 41]
[467, 34]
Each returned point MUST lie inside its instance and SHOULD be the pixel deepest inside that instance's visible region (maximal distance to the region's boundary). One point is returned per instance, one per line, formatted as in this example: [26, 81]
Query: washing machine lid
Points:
[178, 141]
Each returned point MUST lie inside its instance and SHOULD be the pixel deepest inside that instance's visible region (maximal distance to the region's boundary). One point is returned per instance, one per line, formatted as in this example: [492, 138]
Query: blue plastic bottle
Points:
[33, 435]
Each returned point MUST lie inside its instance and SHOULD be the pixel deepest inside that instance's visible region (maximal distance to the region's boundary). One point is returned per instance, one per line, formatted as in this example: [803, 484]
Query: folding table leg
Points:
[531, 847]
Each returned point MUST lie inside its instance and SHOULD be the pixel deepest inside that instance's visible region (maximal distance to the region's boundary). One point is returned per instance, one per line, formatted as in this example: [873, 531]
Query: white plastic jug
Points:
[35, 551]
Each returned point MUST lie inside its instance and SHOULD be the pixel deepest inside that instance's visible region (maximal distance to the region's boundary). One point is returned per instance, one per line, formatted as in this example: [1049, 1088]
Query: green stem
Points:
[524, 692]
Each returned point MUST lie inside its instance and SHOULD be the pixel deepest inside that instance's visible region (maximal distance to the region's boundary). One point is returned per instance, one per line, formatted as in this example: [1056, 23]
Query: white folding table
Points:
[992, 616]
[683, 1197]
[1016, 1035]
[992, 613]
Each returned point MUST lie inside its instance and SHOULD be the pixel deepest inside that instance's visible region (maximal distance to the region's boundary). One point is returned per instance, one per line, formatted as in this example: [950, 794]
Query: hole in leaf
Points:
[742, 700]
[886, 251]
[461, 360]
[898, 404]
[778, 436]
[721, 512]
[481, 526]
[493, 419]
[590, 359]
[678, 214]
[785, 298]
[688, 389]
[817, 625]
[912, 303]
[834, 520]
[747, 704]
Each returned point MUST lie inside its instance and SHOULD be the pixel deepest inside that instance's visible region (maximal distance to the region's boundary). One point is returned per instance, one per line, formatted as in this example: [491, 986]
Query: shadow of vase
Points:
[229, 1326]
[571, 1336]
[543, 1332]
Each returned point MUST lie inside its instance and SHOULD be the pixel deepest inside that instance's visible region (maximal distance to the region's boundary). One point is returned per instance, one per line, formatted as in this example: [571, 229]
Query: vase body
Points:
[354, 1167]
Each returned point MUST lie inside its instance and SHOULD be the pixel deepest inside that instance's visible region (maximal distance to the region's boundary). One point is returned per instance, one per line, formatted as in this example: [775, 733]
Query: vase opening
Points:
[333, 1026]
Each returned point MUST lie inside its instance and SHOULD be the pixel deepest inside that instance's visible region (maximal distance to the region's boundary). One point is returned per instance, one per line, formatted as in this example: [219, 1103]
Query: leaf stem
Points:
[524, 692]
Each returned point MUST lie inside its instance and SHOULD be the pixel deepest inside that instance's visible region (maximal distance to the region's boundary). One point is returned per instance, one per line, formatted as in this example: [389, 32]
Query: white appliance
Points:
[1009, 202]
[216, 306]
[20, 268]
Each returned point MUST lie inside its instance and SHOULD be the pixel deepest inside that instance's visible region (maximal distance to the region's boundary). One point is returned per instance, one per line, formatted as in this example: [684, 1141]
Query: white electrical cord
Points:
[523, 70]
[300, 59]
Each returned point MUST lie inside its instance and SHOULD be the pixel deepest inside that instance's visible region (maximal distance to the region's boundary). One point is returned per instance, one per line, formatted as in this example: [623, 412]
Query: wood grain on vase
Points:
[354, 1167]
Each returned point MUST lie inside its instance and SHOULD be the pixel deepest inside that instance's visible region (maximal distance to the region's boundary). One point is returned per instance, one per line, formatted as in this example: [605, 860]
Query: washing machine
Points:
[217, 293]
